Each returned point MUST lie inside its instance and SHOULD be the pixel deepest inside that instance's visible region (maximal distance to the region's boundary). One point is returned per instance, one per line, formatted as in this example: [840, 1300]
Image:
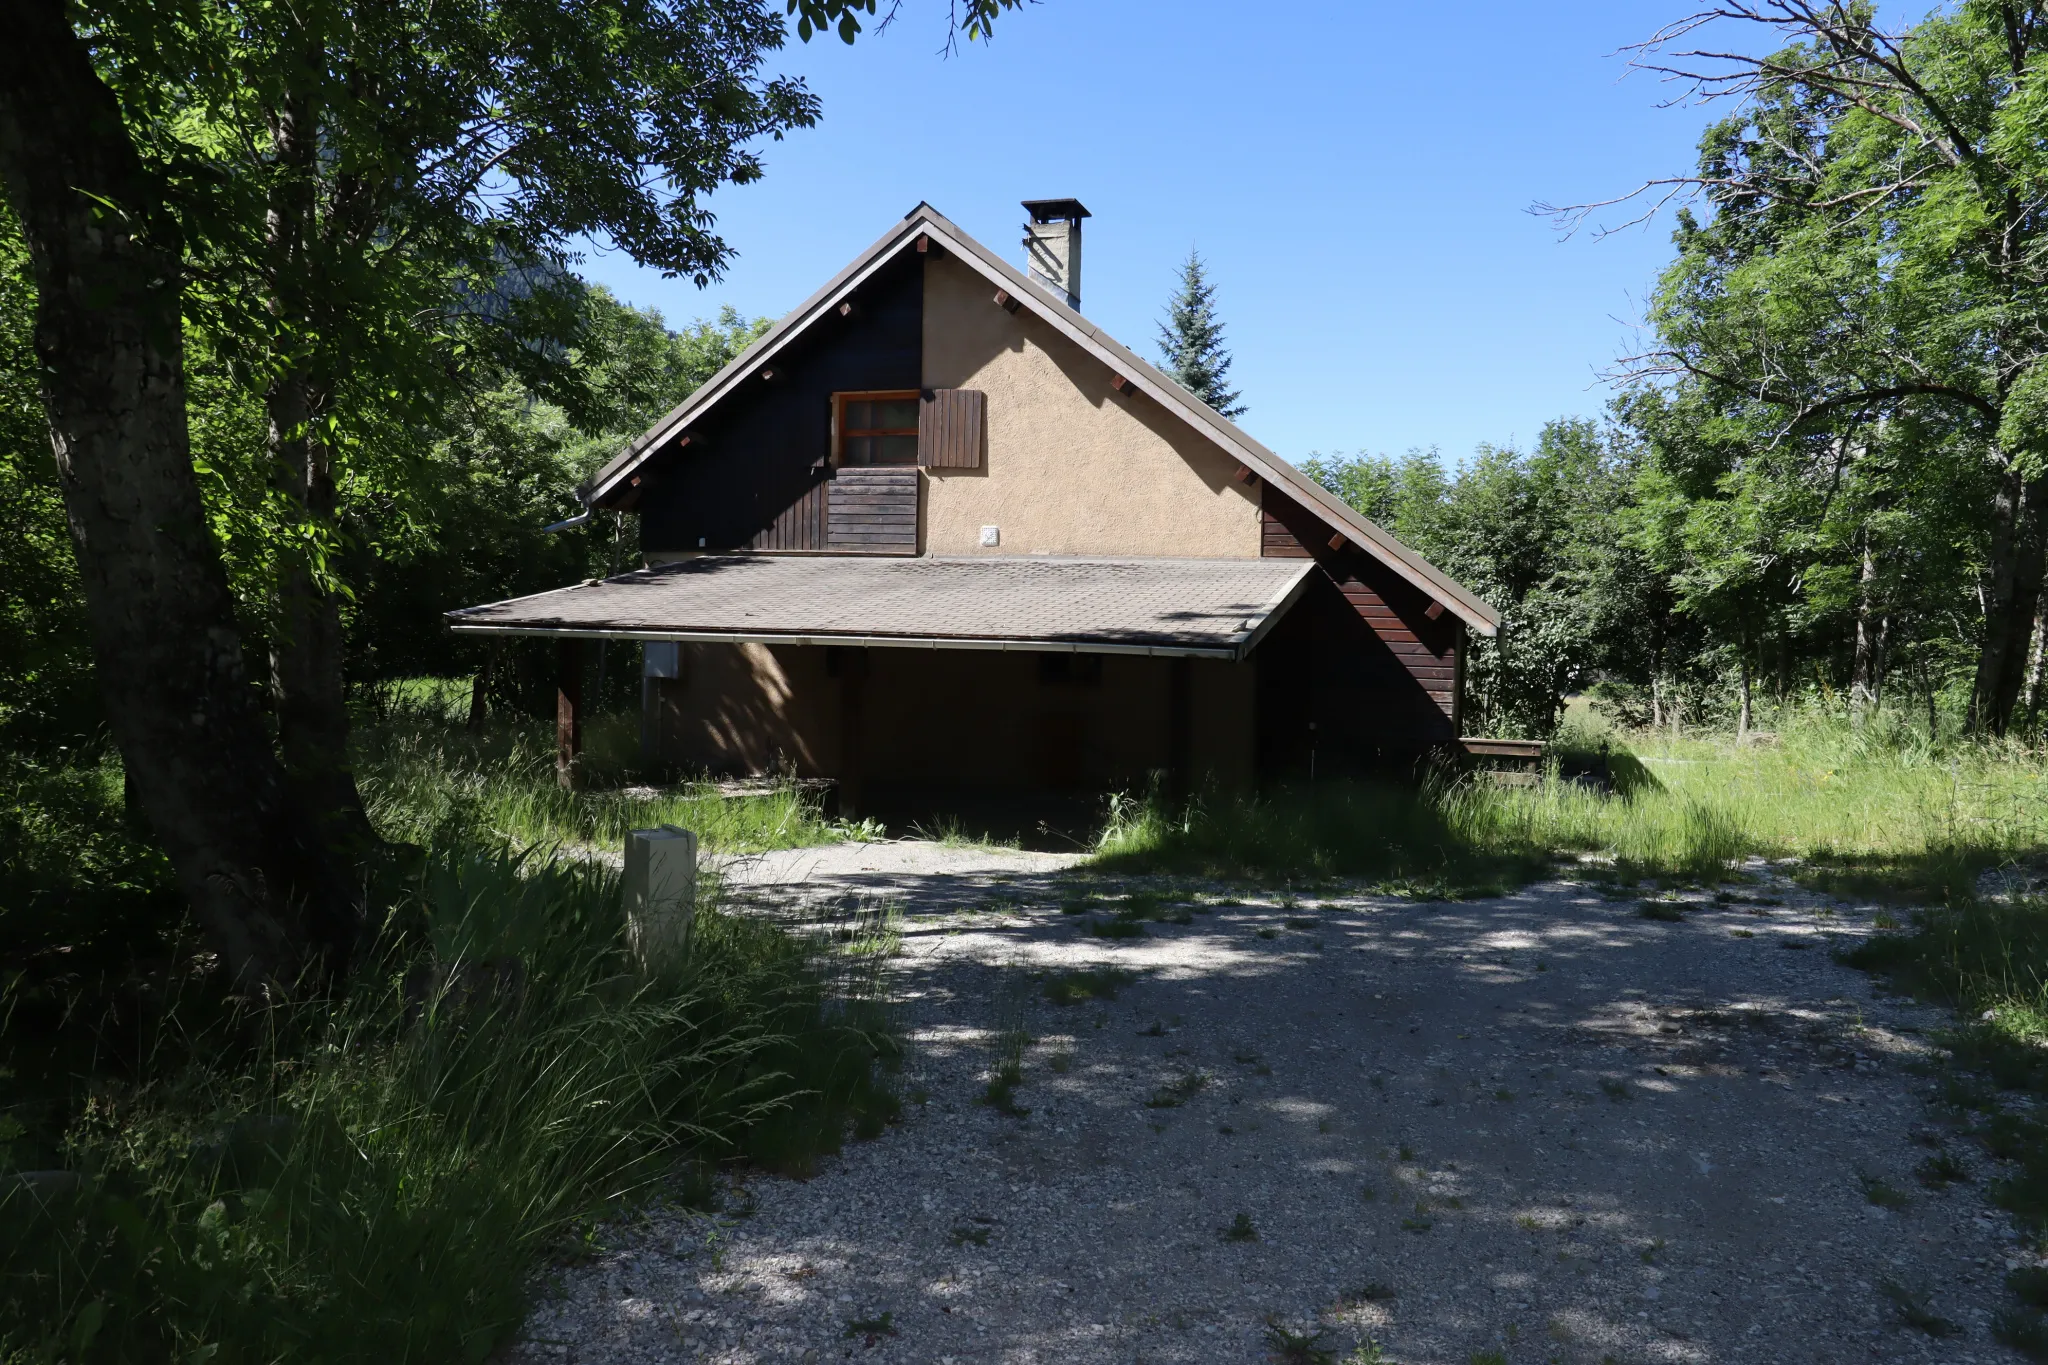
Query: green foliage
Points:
[460, 520]
[1890, 811]
[1191, 346]
[428, 780]
[1849, 341]
[48, 699]
[1537, 535]
[469, 525]
[375, 1178]
[1075, 987]
[1404, 838]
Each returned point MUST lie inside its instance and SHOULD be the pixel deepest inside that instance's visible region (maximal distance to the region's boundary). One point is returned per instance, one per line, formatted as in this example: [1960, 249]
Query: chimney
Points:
[1052, 247]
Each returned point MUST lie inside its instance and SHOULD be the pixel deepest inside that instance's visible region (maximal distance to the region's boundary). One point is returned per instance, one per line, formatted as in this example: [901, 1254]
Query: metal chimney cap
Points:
[1056, 210]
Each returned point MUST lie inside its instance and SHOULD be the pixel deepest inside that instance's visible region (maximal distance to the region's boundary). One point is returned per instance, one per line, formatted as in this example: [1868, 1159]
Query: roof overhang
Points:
[1172, 608]
[926, 222]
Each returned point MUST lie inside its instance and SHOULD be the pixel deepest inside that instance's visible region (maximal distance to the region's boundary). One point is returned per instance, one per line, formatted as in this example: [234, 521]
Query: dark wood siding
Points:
[1358, 656]
[872, 510]
[755, 474]
[800, 526]
[950, 423]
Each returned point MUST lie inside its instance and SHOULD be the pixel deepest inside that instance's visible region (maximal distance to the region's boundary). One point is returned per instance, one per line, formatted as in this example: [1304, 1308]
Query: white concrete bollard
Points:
[661, 895]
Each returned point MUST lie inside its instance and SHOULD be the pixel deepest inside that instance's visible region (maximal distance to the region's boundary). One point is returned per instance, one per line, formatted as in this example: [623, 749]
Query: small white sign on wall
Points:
[991, 536]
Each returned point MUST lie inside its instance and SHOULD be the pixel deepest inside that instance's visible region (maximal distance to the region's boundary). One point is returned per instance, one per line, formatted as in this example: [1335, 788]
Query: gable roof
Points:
[924, 220]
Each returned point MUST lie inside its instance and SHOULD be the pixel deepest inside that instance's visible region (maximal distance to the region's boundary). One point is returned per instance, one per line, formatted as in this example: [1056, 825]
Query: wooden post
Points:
[569, 712]
[1180, 726]
[853, 676]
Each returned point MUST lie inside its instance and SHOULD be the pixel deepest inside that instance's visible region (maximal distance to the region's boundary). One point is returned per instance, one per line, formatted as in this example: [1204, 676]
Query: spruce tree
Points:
[1191, 340]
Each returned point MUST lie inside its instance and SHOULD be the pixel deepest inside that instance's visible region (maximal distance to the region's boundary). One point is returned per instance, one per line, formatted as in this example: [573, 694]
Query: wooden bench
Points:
[1508, 762]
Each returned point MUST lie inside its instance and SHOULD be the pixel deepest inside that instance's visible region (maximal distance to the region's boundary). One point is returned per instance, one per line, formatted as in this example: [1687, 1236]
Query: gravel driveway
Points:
[1543, 1126]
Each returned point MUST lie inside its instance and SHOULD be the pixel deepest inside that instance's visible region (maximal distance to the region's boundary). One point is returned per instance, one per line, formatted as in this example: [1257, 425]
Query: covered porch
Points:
[967, 675]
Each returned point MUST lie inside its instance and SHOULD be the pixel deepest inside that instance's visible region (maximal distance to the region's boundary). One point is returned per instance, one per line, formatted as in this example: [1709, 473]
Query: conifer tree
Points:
[1191, 340]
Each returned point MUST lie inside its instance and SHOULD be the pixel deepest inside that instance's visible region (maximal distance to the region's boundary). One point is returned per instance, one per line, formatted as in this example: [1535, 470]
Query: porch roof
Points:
[1212, 608]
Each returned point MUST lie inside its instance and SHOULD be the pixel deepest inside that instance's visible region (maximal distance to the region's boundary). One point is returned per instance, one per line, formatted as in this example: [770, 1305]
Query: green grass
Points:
[429, 781]
[1074, 987]
[378, 1177]
[1881, 813]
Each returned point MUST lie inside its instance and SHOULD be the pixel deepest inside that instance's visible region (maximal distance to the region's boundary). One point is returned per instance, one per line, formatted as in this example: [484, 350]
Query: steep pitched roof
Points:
[1142, 375]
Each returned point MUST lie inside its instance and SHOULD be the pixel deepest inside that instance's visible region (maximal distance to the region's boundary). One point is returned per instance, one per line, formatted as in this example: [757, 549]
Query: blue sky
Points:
[1357, 176]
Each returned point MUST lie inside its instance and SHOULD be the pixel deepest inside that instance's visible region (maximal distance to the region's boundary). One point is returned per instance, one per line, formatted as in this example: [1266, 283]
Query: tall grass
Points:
[1877, 810]
[427, 780]
[185, 1176]
[375, 1178]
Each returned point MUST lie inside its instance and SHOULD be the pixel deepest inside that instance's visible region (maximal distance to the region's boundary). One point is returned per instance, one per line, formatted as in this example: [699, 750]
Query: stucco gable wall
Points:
[1072, 467]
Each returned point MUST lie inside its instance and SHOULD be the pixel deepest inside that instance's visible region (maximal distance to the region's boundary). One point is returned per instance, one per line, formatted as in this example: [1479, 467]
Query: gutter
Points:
[1231, 652]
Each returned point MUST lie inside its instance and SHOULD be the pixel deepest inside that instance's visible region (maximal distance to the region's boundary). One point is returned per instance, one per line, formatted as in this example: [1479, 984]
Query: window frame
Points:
[841, 433]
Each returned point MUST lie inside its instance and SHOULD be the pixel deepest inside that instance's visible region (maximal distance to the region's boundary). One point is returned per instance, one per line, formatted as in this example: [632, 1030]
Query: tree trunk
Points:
[2034, 659]
[1933, 716]
[1863, 670]
[166, 645]
[306, 647]
[1742, 717]
[2012, 587]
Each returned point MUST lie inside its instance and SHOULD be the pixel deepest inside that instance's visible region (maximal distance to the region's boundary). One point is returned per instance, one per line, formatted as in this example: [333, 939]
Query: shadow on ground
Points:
[1542, 1125]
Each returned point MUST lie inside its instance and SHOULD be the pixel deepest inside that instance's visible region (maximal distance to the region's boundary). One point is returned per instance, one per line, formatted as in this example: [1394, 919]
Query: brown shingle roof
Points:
[1212, 607]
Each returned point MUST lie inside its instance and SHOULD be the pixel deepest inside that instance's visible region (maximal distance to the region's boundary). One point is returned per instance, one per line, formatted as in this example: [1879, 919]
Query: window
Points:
[875, 428]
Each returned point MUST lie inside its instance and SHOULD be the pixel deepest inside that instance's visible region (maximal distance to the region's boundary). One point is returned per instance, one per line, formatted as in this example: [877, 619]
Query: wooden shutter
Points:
[872, 510]
[949, 428]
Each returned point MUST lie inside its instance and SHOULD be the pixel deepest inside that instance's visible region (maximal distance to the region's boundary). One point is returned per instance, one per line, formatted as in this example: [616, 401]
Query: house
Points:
[937, 530]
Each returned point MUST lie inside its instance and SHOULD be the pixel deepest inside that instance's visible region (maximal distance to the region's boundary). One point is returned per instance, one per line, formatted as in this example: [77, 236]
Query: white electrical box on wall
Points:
[991, 536]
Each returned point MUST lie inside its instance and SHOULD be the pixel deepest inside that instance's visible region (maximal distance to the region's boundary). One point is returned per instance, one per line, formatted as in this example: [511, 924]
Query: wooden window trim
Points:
[841, 432]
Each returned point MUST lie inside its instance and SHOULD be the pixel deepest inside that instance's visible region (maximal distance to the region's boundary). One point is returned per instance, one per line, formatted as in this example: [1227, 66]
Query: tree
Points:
[1191, 340]
[1874, 258]
[307, 181]
[504, 464]
[1532, 532]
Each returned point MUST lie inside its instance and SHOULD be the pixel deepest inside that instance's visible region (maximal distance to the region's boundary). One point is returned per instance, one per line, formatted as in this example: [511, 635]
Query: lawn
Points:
[1880, 812]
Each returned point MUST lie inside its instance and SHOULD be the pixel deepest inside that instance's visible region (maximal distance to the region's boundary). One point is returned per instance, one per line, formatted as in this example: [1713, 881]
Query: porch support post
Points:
[853, 677]
[569, 712]
[1180, 726]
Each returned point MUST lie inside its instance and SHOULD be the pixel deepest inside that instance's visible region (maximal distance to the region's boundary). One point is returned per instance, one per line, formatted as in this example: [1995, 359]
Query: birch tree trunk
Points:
[1863, 668]
[1742, 717]
[2034, 658]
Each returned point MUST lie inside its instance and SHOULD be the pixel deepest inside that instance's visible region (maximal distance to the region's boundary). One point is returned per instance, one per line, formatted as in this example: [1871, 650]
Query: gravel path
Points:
[1541, 1125]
